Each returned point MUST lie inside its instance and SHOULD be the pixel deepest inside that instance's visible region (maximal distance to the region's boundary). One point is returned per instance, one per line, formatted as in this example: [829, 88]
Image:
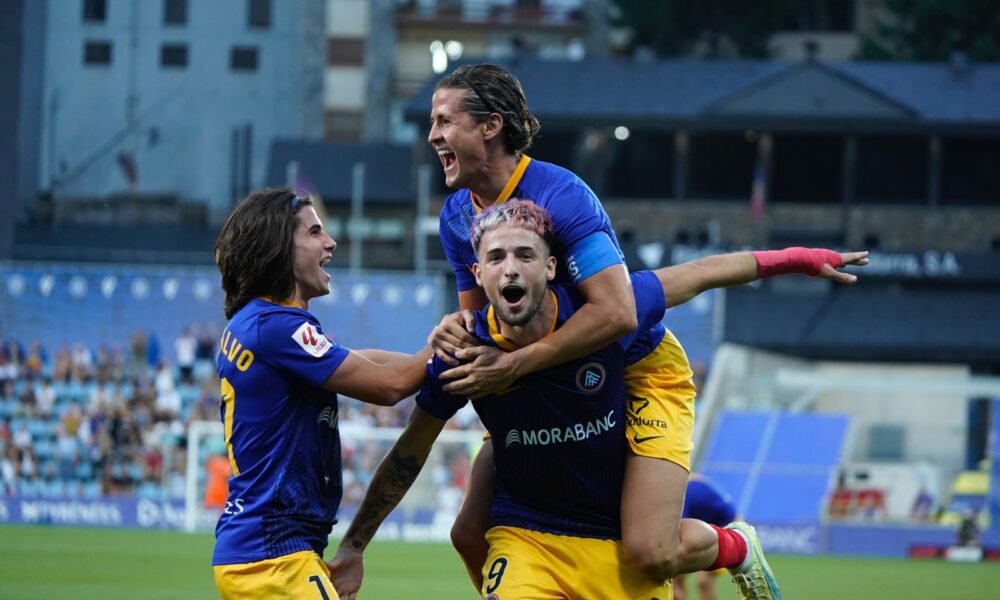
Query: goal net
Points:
[426, 513]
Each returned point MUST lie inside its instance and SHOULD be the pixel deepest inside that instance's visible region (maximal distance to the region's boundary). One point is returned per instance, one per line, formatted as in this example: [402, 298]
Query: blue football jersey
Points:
[585, 242]
[559, 434]
[281, 434]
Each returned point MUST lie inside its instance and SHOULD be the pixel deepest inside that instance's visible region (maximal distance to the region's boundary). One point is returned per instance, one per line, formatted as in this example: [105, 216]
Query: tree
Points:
[925, 30]
[714, 28]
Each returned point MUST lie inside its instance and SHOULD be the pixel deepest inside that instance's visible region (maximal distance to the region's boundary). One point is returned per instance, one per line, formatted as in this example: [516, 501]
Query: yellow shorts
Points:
[659, 414]
[526, 564]
[297, 575]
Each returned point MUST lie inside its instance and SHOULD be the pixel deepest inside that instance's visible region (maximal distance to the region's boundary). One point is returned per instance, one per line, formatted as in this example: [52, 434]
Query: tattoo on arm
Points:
[393, 478]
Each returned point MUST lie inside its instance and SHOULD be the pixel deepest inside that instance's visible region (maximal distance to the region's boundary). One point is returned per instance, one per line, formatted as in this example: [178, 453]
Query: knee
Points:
[651, 556]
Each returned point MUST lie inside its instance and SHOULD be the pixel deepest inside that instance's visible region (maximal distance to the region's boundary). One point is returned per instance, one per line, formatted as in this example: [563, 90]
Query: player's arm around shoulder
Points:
[392, 479]
[383, 383]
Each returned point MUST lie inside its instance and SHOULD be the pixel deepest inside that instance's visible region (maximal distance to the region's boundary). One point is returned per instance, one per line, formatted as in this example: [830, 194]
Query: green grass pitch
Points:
[107, 564]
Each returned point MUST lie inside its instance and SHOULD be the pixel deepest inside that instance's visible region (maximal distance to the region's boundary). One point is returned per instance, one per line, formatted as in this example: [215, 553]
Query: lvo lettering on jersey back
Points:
[233, 350]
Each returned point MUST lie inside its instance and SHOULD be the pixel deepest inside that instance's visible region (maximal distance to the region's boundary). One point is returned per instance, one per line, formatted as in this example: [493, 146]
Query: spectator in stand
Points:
[153, 351]
[22, 437]
[8, 471]
[922, 505]
[28, 404]
[8, 368]
[35, 360]
[168, 400]
[6, 435]
[63, 367]
[15, 358]
[81, 363]
[45, 398]
[138, 349]
[185, 348]
[204, 354]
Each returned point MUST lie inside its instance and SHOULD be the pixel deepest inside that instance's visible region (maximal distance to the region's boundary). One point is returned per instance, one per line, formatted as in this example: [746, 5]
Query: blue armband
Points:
[592, 255]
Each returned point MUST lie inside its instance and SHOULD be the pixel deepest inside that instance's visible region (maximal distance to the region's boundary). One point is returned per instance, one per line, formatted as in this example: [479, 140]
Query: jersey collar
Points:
[494, 324]
[508, 189]
[291, 303]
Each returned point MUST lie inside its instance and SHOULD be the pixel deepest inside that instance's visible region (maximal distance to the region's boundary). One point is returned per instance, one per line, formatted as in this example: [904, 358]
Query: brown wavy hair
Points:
[490, 89]
[256, 247]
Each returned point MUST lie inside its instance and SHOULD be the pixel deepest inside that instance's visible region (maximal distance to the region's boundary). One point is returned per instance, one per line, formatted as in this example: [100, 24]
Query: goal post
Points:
[427, 511]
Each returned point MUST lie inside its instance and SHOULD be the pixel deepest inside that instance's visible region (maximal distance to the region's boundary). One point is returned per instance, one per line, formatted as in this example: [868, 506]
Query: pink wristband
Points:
[809, 261]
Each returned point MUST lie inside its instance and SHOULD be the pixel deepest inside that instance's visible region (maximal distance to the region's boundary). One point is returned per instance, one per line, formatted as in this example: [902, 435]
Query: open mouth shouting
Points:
[448, 159]
[322, 264]
[513, 295]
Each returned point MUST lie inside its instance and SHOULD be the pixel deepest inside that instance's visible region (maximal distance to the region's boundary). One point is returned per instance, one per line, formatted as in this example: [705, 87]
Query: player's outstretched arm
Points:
[384, 383]
[392, 479]
[685, 281]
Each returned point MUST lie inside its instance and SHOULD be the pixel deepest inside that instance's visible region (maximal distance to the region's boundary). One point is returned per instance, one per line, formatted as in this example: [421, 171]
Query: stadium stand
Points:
[778, 465]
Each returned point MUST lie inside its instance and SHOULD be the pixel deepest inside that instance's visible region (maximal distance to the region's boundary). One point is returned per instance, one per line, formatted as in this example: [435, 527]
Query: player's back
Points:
[575, 210]
[281, 434]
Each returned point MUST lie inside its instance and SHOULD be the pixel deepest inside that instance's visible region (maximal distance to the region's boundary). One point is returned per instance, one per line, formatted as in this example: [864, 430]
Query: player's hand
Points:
[347, 569]
[453, 333]
[490, 371]
[858, 259]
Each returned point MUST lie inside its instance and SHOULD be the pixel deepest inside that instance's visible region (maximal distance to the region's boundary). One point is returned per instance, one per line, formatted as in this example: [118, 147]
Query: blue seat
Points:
[777, 466]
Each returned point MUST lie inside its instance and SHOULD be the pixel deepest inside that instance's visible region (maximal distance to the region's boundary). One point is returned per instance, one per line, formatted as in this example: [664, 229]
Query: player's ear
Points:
[476, 271]
[550, 268]
[492, 126]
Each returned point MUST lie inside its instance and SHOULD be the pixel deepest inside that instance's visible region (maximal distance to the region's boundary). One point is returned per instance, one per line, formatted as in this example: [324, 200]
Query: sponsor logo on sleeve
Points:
[311, 340]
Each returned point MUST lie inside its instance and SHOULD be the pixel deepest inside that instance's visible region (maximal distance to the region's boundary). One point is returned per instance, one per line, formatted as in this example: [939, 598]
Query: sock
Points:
[732, 549]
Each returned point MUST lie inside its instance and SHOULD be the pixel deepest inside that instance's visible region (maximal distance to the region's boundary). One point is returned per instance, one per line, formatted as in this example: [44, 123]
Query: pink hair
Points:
[523, 214]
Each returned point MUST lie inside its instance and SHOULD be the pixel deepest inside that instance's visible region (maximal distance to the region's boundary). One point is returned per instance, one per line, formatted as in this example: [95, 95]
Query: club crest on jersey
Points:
[590, 377]
[311, 340]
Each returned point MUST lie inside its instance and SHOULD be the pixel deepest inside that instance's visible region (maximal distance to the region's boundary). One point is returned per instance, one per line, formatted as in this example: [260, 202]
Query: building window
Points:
[243, 59]
[95, 11]
[807, 168]
[887, 168]
[259, 13]
[97, 53]
[345, 52]
[173, 55]
[175, 12]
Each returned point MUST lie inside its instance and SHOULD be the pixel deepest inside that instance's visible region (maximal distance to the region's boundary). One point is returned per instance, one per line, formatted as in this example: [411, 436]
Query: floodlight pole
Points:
[357, 214]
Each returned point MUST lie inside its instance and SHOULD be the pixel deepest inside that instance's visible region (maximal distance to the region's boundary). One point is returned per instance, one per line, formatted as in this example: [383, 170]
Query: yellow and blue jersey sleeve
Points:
[293, 341]
[432, 398]
[582, 228]
[585, 242]
[455, 228]
[650, 305]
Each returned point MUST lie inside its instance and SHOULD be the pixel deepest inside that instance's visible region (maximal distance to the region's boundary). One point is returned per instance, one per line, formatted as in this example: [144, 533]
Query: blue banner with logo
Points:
[101, 512]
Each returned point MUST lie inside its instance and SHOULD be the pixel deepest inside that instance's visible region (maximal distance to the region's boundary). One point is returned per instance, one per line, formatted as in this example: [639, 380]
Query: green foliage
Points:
[722, 27]
[926, 30]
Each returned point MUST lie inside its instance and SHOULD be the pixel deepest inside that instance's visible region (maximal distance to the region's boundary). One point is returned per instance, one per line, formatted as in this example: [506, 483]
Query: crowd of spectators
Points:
[107, 421]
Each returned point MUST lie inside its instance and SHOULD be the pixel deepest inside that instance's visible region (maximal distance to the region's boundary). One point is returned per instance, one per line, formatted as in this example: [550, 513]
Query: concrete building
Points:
[379, 52]
[174, 101]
